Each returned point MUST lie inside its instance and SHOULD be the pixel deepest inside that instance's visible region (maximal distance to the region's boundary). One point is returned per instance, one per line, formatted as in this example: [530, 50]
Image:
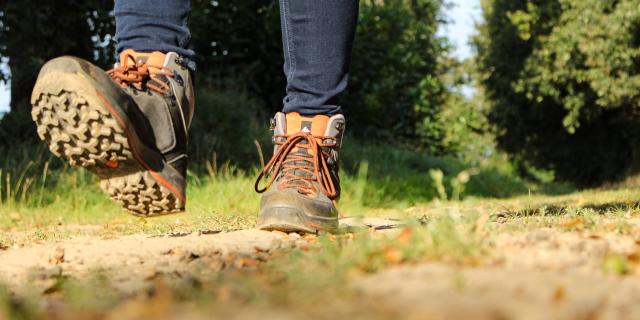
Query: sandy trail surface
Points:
[539, 274]
[542, 273]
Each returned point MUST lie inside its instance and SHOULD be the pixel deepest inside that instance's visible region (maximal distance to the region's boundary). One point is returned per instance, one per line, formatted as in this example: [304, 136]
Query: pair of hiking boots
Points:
[129, 126]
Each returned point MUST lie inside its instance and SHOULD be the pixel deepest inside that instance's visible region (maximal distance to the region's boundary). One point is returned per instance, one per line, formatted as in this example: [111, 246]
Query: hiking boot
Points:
[128, 125]
[303, 185]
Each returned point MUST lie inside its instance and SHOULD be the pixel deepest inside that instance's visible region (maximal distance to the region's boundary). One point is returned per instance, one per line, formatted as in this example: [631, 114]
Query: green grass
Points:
[38, 190]
[228, 141]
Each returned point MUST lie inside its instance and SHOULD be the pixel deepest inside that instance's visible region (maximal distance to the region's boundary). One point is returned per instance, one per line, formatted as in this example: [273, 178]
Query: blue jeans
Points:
[317, 37]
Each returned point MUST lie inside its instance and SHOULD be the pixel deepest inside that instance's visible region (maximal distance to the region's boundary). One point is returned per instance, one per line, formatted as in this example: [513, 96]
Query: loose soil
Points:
[533, 273]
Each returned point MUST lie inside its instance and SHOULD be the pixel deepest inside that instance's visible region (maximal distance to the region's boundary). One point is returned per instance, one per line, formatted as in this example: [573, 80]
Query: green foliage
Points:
[462, 118]
[238, 46]
[32, 32]
[228, 127]
[402, 177]
[563, 82]
[396, 91]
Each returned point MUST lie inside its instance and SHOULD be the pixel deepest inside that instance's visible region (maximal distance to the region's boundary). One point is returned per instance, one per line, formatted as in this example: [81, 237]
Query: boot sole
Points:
[291, 219]
[80, 126]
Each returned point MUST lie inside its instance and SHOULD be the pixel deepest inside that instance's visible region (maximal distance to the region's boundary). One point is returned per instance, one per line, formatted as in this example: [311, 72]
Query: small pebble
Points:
[58, 256]
[294, 236]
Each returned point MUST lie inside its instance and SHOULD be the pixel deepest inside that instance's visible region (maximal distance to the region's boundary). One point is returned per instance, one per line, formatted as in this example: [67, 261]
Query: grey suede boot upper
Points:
[303, 183]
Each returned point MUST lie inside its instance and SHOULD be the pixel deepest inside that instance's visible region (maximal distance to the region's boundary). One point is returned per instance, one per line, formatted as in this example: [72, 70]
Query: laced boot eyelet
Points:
[179, 80]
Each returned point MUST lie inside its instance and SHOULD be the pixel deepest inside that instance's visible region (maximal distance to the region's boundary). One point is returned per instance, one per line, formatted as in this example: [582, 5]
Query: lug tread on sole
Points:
[82, 134]
[88, 136]
[142, 195]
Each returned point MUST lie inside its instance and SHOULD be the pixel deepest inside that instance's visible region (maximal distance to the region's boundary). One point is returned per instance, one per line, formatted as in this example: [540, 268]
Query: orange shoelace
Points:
[312, 166]
[138, 73]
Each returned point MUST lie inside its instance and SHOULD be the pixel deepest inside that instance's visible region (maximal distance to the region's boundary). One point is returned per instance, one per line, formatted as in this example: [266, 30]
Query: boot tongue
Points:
[316, 125]
[154, 60]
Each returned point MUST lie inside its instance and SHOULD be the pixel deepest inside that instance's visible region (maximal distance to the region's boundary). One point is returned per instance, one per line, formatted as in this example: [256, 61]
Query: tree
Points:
[29, 37]
[562, 79]
[397, 92]
[238, 46]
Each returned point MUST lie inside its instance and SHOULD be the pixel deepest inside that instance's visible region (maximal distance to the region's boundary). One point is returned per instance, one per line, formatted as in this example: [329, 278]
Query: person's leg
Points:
[128, 125]
[147, 26]
[303, 184]
[317, 38]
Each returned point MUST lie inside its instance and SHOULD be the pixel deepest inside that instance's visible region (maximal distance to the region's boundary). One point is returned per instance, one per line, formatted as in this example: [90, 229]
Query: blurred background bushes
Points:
[397, 91]
[561, 80]
[556, 82]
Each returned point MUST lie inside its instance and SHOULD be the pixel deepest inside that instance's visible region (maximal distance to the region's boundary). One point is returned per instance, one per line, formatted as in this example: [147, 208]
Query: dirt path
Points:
[539, 274]
[542, 273]
[132, 260]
